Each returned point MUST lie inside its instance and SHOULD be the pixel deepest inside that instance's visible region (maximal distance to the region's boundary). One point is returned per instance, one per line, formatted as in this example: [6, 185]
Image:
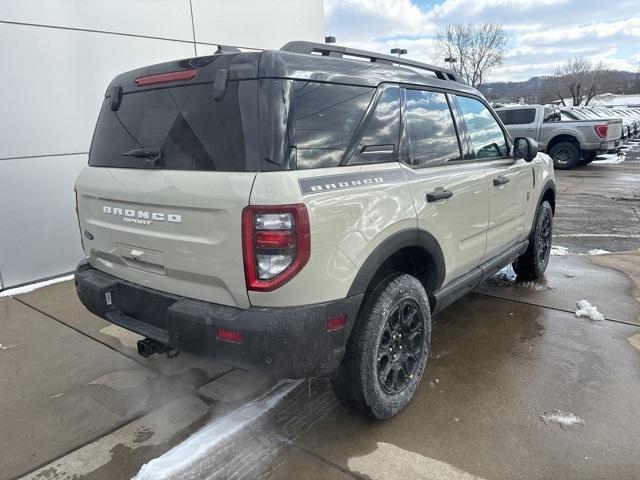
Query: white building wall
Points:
[56, 59]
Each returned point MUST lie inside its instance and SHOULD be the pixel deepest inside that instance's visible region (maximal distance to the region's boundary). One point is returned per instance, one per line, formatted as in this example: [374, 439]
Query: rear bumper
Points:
[610, 145]
[287, 342]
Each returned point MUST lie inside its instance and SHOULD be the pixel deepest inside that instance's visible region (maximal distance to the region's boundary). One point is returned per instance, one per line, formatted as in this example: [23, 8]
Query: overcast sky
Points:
[542, 33]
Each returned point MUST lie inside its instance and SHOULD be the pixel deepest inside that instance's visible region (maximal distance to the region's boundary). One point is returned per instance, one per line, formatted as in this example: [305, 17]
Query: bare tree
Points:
[476, 48]
[581, 79]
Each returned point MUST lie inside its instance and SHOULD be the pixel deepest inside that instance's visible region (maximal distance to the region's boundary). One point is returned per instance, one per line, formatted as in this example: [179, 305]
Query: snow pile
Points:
[585, 309]
[7, 347]
[557, 250]
[613, 99]
[598, 251]
[33, 286]
[564, 419]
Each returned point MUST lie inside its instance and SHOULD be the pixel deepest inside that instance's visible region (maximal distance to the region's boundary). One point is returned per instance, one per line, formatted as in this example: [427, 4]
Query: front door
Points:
[451, 195]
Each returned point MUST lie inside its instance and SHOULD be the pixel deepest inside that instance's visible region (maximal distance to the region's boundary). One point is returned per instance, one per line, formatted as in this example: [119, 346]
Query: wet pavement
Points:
[508, 361]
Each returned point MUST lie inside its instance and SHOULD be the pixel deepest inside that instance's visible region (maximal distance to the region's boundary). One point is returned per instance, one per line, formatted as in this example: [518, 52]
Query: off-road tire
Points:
[565, 155]
[356, 383]
[587, 158]
[533, 262]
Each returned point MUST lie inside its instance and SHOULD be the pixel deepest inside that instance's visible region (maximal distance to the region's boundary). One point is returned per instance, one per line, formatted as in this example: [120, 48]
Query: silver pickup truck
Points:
[569, 143]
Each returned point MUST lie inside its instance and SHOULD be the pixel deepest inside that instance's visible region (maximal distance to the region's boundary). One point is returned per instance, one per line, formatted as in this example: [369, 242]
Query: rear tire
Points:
[533, 262]
[587, 158]
[381, 370]
[565, 155]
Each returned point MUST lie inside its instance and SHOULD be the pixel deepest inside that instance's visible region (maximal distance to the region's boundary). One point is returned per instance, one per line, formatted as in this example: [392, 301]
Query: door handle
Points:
[439, 195]
[530, 130]
[501, 180]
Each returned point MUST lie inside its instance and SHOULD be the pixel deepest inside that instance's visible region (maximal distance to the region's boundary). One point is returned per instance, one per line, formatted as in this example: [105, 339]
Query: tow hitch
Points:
[149, 346]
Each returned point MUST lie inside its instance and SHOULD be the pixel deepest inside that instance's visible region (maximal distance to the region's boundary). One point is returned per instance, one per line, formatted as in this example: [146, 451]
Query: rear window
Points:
[325, 118]
[180, 128]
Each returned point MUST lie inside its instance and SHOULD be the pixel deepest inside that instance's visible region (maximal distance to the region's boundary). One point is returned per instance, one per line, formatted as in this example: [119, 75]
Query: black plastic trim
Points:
[287, 342]
[392, 244]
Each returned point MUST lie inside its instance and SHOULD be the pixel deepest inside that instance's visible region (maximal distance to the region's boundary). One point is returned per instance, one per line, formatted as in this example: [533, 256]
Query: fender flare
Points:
[397, 241]
[549, 185]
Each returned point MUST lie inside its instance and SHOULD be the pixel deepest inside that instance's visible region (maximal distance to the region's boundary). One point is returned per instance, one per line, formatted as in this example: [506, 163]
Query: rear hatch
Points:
[171, 167]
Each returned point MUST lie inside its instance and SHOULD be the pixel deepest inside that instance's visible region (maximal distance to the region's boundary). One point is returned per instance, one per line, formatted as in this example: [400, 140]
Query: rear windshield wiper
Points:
[151, 155]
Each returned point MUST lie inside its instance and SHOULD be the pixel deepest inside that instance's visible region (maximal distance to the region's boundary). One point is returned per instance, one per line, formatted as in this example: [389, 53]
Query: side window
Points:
[430, 130]
[379, 142]
[551, 115]
[521, 116]
[487, 138]
[325, 117]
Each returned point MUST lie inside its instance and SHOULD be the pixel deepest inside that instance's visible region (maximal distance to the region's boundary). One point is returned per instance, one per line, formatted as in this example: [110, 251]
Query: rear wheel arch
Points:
[412, 251]
[562, 138]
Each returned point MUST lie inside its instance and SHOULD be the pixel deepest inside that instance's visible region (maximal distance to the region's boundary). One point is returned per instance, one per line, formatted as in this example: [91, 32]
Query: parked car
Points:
[627, 115]
[569, 143]
[277, 211]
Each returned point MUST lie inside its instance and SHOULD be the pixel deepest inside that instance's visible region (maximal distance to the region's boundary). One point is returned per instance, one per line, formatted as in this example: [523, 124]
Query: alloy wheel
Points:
[400, 347]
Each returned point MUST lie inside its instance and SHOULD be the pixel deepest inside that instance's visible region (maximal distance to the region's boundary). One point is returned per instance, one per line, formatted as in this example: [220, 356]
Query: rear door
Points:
[510, 181]
[450, 194]
[170, 170]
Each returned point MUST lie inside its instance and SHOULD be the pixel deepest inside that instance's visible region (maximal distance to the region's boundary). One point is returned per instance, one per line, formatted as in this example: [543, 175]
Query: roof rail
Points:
[330, 50]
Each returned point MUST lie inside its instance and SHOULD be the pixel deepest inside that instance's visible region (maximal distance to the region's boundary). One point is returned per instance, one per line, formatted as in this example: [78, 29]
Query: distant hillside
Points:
[540, 89]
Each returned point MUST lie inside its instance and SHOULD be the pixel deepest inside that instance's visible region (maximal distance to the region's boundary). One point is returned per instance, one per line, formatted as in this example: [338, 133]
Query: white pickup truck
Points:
[569, 143]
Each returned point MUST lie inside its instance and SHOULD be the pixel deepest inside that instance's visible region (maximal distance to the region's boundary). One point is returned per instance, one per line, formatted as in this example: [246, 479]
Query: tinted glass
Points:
[517, 117]
[430, 129]
[326, 116]
[183, 128]
[379, 142]
[487, 138]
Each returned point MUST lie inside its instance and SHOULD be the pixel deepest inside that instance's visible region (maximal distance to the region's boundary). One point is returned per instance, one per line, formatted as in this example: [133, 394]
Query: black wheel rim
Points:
[401, 347]
[544, 240]
[562, 155]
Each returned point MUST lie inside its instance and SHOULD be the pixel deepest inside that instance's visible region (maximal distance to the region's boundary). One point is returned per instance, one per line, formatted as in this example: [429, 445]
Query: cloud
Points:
[543, 33]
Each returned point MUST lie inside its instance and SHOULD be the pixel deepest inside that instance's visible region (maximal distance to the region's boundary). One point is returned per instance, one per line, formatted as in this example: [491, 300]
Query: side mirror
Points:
[525, 148]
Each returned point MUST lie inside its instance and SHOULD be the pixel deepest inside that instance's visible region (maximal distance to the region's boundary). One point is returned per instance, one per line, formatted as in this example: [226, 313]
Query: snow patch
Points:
[557, 250]
[585, 309]
[611, 158]
[505, 277]
[598, 251]
[564, 419]
[196, 448]
[6, 347]
[34, 286]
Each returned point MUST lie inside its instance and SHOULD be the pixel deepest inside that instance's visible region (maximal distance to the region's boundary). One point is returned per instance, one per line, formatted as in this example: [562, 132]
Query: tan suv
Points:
[303, 212]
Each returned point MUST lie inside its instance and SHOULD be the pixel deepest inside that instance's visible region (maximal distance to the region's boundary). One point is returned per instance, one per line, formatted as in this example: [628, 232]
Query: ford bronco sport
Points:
[303, 212]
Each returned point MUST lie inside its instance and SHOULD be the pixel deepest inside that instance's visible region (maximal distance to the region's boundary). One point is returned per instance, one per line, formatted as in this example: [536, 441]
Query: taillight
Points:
[276, 244]
[180, 75]
[78, 218]
[601, 130]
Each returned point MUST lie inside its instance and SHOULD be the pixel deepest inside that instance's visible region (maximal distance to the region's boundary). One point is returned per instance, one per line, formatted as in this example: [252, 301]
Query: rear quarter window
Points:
[325, 118]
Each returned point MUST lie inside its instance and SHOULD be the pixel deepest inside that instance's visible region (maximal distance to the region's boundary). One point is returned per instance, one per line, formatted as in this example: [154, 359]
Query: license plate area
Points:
[144, 306]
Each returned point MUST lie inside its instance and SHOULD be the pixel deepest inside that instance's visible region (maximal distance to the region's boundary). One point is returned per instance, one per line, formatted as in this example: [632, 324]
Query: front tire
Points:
[533, 262]
[565, 155]
[388, 349]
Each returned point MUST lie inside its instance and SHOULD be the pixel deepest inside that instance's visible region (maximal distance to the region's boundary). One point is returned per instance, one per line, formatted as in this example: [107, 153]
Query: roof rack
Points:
[330, 50]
